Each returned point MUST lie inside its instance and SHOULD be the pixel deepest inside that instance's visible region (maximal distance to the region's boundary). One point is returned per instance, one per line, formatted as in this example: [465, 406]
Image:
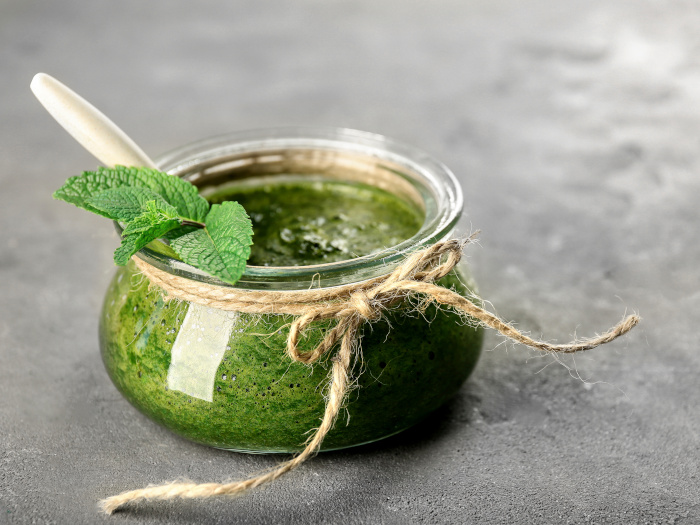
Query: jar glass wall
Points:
[223, 378]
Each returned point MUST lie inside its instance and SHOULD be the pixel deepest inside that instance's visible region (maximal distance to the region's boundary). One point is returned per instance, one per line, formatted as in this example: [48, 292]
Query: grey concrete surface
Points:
[574, 128]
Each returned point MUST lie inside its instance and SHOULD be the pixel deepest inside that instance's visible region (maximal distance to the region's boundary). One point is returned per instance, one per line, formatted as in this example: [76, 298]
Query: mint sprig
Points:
[152, 205]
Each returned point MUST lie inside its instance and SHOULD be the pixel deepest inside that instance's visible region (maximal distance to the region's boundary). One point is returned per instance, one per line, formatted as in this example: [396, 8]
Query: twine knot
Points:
[362, 304]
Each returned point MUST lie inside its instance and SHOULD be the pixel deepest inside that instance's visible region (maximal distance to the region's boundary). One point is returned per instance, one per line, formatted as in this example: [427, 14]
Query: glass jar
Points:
[223, 378]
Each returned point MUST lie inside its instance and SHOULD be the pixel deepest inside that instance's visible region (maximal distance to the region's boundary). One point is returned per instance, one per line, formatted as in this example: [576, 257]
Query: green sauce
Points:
[224, 380]
[300, 223]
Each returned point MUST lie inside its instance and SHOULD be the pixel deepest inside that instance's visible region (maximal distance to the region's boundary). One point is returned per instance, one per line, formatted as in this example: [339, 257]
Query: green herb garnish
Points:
[151, 205]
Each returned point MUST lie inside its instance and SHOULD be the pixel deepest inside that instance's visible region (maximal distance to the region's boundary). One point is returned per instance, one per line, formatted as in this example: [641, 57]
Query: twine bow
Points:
[367, 305]
[351, 306]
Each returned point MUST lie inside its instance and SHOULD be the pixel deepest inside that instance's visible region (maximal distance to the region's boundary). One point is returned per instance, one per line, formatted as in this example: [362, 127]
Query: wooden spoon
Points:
[90, 127]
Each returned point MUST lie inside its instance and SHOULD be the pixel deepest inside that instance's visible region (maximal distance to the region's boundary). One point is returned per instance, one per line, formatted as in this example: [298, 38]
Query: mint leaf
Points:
[223, 246]
[127, 203]
[152, 224]
[176, 191]
[152, 204]
[129, 246]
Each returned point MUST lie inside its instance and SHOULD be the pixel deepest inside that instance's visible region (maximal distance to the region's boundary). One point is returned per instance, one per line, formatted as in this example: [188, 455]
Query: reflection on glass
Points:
[199, 349]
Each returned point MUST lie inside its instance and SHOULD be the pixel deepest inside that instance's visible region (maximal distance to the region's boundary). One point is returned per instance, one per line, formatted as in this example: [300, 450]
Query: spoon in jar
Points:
[88, 125]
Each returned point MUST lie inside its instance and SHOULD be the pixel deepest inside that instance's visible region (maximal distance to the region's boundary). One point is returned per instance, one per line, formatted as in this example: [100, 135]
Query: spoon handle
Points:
[93, 130]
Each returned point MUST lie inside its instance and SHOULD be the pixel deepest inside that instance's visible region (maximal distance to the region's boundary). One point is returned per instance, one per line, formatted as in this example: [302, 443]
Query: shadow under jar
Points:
[223, 378]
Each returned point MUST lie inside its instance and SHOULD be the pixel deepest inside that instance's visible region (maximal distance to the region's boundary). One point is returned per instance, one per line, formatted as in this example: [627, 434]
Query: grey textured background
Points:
[575, 129]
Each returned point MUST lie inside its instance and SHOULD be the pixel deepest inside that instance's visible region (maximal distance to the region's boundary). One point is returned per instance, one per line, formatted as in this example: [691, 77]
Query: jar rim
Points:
[435, 183]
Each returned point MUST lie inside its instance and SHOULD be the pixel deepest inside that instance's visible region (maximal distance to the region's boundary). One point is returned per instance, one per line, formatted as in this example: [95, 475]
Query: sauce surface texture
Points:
[299, 223]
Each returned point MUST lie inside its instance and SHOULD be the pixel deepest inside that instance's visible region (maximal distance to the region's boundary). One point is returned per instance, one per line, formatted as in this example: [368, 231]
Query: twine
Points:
[351, 306]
